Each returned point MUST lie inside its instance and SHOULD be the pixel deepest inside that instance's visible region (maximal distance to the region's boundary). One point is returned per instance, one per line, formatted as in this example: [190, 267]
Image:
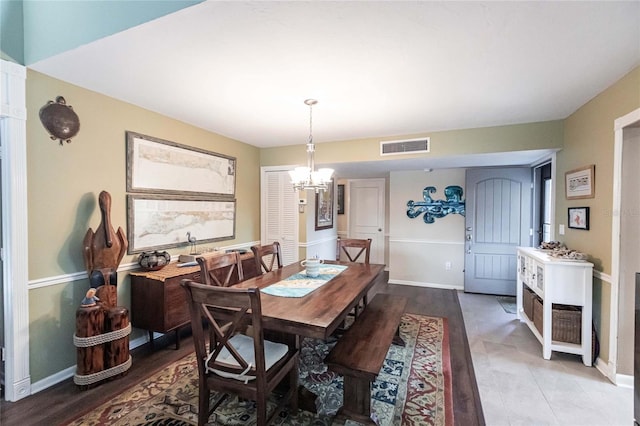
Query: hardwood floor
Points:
[64, 401]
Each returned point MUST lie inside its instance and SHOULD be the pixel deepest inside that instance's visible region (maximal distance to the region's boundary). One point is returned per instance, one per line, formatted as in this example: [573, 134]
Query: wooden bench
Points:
[360, 353]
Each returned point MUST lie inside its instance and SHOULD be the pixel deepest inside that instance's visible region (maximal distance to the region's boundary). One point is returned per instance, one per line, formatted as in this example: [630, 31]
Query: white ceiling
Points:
[384, 68]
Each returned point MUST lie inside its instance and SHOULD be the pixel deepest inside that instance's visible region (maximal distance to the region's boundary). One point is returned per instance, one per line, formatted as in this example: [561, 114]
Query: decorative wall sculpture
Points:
[433, 209]
[60, 120]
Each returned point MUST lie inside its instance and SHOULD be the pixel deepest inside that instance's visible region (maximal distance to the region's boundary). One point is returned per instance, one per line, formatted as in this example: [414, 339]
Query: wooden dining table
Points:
[319, 313]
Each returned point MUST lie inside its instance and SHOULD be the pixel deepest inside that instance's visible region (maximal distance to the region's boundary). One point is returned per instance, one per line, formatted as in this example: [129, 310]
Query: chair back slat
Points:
[267, 256]
[226, 312]
[218, 270]
[350, 246]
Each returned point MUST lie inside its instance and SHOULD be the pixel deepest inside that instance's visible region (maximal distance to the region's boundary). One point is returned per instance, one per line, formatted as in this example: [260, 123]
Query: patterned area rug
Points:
[413, 388]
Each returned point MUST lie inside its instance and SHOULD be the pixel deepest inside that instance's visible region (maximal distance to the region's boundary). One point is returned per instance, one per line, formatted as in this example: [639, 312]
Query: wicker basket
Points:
[567, 324]
[537, 313]
[566, 321]
[527, 301]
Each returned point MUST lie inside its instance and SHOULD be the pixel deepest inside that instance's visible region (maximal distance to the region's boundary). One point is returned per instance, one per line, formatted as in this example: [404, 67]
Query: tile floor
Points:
[518, 387]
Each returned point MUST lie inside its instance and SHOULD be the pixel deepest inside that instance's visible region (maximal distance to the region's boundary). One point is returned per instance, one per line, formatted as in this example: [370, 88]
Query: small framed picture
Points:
[579, 218]
[340, 199]
[580, 183]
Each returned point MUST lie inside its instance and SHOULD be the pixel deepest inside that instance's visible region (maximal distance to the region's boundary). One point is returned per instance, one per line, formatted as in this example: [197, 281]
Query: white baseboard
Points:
[63, 375]
[428, 285]
[617, 379]
[604, 368]
[624, 381]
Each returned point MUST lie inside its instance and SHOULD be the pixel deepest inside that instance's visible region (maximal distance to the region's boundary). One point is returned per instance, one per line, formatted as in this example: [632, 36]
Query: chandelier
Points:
[308, 177]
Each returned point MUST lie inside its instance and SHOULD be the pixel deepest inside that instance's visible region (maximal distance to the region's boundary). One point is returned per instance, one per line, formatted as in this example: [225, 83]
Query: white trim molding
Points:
[412, 241]
[77, 276]
[15, 274]
[427, 285]
[618, 128]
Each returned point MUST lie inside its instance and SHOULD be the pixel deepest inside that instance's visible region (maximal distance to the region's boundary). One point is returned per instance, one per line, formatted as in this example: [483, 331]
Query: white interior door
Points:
[366, 213]
[498, 219]
[279, 213]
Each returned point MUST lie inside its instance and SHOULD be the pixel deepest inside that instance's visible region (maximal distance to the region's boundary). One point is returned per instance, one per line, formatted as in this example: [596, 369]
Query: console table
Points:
[159, 304]
[556, 281]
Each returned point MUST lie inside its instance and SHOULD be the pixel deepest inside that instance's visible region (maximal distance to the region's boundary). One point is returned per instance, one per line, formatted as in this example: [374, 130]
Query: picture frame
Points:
[578, 218]
[156, 165]
[162, 221]
[580, 183]
[324, 208]
[340, 199]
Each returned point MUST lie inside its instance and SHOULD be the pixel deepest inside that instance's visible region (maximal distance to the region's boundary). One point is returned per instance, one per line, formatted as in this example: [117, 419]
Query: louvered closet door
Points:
[280, 214]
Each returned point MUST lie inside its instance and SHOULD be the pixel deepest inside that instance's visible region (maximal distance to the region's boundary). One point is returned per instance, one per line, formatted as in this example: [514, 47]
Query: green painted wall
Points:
[544, 135]
[63, 185]
[589, 139]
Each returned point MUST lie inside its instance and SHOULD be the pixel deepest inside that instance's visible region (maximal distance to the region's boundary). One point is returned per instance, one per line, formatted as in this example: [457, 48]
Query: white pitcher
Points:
[312, 266]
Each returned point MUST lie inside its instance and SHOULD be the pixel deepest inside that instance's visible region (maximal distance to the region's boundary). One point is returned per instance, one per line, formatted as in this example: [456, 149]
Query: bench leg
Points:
[397, 340]
[357, 401]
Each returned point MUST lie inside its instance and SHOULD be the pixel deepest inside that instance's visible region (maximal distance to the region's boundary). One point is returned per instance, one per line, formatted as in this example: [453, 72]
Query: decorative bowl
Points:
[153, 261]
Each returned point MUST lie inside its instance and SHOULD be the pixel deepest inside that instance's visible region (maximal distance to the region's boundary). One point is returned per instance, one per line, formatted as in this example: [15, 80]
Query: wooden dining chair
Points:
[353, 248]
[266, 256]
[249, 367]
[218, 270]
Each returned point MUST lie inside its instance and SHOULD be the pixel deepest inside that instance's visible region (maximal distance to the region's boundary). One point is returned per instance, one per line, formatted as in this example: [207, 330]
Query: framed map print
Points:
[159, 166]
[162, 221]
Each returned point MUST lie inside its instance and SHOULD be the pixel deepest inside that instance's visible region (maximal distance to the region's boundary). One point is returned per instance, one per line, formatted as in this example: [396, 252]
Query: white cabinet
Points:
[556, 281]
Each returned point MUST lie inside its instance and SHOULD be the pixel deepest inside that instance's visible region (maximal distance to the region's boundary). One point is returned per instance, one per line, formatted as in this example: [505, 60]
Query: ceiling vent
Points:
[408, 146]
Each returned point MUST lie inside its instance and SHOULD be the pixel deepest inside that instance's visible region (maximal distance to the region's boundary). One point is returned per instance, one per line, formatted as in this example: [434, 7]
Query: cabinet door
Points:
[176, 307]
[539, 279]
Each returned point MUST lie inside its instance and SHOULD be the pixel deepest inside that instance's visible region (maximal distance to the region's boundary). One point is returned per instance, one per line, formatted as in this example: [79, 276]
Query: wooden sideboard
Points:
[158, 303]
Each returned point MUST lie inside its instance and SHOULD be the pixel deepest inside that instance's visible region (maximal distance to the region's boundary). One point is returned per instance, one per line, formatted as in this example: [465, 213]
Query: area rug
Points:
[508, 303]
[413, 388]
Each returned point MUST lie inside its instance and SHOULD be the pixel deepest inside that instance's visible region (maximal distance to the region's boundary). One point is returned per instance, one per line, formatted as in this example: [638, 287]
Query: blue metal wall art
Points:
[433, 209]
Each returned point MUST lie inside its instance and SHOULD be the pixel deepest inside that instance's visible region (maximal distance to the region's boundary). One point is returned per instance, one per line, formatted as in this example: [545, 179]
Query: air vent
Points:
[409, 146]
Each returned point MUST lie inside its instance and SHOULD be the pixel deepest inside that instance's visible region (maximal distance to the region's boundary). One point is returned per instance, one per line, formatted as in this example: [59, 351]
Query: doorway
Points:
[542, 202]
[366, 214]
[279, 212]
[625, 249]
[497, 220]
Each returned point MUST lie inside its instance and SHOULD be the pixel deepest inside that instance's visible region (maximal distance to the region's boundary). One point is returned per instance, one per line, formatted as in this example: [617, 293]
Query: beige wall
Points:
[589, 139]
[63, 185]
[544, 135]
[418, 251]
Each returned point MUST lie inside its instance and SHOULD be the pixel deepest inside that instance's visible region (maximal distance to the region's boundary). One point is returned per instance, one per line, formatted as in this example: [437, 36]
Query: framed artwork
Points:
[340, 199]
[580, 183]
[159, 166]
[579, 218]
[324, 208]
[162, 221]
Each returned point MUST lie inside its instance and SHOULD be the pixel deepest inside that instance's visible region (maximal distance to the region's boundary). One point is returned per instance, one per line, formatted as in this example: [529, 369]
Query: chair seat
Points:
[273, 352]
